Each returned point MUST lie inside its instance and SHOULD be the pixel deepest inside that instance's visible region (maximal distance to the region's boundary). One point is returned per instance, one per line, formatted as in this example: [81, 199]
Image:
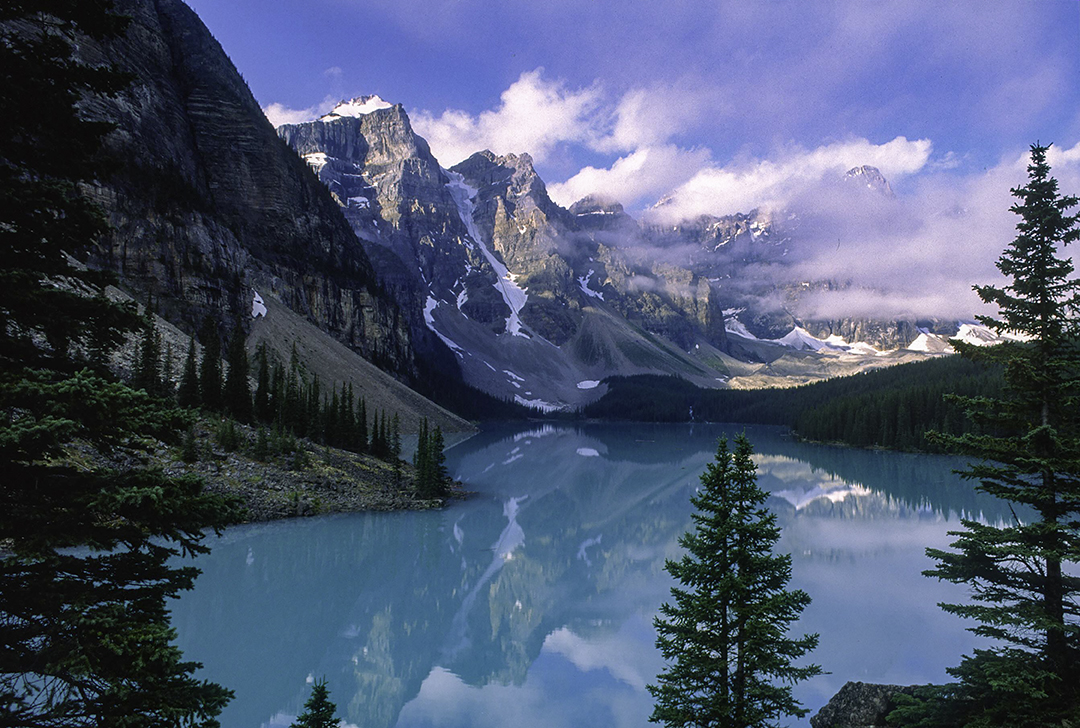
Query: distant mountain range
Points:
[470, 273]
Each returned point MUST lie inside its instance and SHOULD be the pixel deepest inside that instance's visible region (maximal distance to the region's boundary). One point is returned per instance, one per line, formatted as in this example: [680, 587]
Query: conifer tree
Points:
[318, 710]
[237, 391]
[422, 461]
[210, 380]
[395, 437]
[187, 394]
[439, 477]
[361, 424]
[347, 420]
[147, 374]
[263, 410]
[1022, 575]
[86, 563]
[725, 636]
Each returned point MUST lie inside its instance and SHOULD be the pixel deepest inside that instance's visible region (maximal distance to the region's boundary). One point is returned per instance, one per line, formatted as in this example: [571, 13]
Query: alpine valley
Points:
[345, 237]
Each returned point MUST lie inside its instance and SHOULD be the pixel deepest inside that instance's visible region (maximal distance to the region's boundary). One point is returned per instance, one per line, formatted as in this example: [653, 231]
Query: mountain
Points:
[212, 212]
[436, 275]
[538, 302]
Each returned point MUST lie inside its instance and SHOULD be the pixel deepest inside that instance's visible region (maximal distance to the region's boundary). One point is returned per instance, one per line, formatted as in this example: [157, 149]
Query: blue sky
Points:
[718, 106]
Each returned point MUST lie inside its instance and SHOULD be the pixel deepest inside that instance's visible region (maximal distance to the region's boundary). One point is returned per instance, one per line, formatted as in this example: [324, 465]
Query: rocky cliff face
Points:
[481, 257]
[208, 205]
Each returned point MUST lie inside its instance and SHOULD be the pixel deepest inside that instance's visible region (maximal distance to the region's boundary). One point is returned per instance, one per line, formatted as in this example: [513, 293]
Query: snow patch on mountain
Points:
[316, 160]
[583, 281]
[360, 106]
[539, 404]
[258, 306]
[429, 319]
[513, 294]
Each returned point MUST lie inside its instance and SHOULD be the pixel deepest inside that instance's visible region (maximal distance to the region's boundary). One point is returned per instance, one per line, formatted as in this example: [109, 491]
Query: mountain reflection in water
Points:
[531, 603]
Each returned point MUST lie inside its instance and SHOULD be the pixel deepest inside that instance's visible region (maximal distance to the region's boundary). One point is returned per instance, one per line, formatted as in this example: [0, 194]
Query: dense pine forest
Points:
[891, 408]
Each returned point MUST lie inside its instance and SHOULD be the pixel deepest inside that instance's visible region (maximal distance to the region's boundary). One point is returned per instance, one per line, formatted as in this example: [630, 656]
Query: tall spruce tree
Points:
[318, 710]
[86, 563]
[724, 637]
[187, 394]
[1022, 574]
[210, 380]
[237, 391]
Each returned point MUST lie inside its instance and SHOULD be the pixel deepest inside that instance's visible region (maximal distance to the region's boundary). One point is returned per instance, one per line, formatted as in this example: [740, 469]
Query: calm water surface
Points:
[531, 603]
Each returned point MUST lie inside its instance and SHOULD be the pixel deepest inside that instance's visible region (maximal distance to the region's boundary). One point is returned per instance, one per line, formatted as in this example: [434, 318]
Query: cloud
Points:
[774, 183]
[279, 114]
[644, 175]
[534, 115]
[918, 254]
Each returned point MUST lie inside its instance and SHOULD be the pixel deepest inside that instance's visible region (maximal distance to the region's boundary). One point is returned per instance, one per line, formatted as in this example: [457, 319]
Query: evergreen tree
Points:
[147, 373]
[1022, 575]
[395, 437]
[437, 455]
[263, 410]
[725, 635]
[237, 391]
[422, 462]
[86, 564]
[318, 710]
[361, 425]
[210, 382]
[168, 372]
[332, 419]
[293, 405]
[187, 394]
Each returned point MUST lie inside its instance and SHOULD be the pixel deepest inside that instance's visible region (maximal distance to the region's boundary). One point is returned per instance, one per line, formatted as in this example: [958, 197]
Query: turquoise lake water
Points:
[531, 603]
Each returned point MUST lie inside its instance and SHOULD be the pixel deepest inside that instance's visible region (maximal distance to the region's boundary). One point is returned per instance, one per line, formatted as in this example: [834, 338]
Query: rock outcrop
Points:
[859, 705]
[207, 204]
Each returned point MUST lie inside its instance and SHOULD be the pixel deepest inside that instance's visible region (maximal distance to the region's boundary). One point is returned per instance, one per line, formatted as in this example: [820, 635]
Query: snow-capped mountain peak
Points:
[871, 177]
[359, 106]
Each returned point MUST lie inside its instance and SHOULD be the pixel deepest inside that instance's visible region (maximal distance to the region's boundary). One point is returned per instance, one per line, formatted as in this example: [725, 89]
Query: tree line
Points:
[892, 407]
[285, 398]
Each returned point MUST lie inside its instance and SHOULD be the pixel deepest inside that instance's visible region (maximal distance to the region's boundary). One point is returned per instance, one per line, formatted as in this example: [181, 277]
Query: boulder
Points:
[859, 705]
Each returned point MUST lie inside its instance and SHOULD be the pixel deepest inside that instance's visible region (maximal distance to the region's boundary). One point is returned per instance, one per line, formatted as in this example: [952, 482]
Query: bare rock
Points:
[858, 705]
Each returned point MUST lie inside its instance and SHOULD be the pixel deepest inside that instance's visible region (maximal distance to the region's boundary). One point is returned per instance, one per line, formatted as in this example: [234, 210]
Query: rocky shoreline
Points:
[333, 481]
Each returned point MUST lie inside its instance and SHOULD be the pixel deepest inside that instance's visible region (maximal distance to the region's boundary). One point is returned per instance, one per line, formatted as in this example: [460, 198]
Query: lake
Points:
[531, 602]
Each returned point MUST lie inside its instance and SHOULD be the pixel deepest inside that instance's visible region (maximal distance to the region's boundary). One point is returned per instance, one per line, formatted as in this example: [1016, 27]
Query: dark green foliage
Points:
[148, 365]
[261, 450]
[724, 637]
[318, 710]
[237, 392]
[892, 407]
[432, 479]
[187, 394]
[86, 566]
[262, 409]
[210, 382]
[228, 436]
[46, 152]
[440, 380]
[189, 453]
[395, 438]
[361, 424]
[1023, 576]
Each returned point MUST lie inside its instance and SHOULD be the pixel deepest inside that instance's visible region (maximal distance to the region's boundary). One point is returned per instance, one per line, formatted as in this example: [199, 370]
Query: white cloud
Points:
[740, 187]
[651, 117]
[279, 114]
[534, 115]
[918, 254]
[645, 174]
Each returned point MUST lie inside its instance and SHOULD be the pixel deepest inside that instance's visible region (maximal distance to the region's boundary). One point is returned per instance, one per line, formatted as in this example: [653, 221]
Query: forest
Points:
[891, 408]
